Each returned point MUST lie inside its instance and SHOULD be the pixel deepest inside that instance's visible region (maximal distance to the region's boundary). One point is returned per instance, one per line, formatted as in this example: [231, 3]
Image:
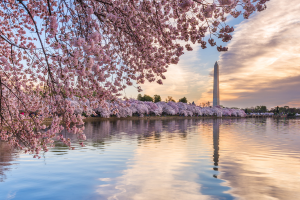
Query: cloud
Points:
[262, 65]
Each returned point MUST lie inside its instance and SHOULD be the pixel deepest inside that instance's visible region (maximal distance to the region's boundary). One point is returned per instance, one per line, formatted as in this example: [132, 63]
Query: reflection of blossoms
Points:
[127, 128]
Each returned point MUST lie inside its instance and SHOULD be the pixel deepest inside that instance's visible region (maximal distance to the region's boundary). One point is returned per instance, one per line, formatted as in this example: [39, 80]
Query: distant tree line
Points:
[256, 109]
[156, 98]
[285, 110]
[276, 110]
[207, 104]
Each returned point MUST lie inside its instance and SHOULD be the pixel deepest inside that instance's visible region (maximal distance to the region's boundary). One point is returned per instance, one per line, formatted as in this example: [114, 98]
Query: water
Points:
[163, 159]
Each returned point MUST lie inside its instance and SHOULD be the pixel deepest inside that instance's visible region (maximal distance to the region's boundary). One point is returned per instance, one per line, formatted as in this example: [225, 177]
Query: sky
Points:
[261, 67]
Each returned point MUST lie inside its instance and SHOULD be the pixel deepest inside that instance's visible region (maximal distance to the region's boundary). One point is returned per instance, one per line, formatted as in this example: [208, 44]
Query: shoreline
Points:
[91, 119]
[95, 119]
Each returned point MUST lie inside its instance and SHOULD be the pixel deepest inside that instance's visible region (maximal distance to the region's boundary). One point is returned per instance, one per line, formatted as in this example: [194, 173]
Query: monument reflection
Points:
[216, 137]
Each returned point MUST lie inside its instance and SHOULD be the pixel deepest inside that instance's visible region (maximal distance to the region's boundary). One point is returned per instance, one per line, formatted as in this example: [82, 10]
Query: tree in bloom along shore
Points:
[148, 108]
[54, 51]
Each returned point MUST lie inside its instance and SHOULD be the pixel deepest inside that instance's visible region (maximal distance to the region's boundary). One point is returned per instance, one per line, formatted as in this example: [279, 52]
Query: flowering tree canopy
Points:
[53, 51]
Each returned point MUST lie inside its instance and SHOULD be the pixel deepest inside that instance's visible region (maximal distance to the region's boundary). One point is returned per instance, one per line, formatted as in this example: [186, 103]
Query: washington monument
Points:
[216, 100]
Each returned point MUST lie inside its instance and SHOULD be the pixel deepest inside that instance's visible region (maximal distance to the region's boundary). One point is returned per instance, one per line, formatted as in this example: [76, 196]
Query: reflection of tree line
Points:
[277, 124]
[100, 131]
[103, 130]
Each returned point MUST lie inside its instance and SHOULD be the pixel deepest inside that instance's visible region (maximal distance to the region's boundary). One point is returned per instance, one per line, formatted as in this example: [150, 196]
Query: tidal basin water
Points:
[163, 159]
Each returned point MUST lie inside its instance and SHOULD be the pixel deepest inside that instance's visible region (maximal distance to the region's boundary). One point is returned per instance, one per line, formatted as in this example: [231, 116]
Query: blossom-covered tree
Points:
[54, 51]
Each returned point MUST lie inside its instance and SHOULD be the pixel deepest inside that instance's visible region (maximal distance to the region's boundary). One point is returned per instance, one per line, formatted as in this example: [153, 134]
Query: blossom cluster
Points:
[53, 50]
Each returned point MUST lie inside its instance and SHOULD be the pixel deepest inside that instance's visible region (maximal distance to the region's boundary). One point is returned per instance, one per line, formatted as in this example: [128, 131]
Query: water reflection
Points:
[263, 162]
[164, 159]
[6, 158]
[216, 133]
[156, 169]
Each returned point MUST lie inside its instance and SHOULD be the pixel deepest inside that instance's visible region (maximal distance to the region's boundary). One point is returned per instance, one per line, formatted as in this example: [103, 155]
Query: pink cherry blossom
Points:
[63, 60]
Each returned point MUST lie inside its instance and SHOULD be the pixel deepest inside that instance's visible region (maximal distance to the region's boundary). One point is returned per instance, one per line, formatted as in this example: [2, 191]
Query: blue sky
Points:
[260, 68]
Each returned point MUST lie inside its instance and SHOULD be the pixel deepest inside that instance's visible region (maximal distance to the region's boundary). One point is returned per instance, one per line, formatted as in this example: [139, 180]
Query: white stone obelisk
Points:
[216, 100]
